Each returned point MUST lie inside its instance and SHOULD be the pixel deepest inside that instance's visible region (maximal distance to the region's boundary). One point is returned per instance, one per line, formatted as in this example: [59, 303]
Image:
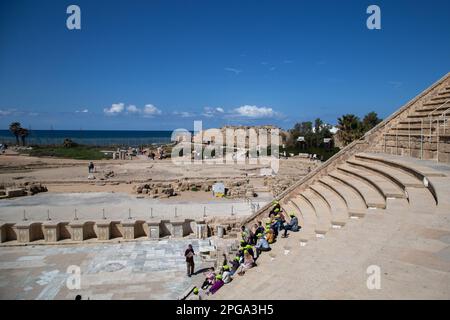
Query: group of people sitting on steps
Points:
[252, 244]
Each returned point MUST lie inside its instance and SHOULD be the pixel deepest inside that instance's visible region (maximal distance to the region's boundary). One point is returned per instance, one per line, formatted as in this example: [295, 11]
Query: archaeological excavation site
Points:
[224, 158]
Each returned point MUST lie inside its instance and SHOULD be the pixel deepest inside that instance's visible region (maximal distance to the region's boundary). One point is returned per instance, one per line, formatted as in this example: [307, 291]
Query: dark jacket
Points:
[189, 259]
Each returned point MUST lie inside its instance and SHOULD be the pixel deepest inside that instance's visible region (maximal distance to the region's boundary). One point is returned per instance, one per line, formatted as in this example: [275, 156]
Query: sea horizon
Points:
[92, 137]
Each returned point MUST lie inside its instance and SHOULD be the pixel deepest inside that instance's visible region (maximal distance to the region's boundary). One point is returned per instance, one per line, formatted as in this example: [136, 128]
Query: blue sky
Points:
[160, 65]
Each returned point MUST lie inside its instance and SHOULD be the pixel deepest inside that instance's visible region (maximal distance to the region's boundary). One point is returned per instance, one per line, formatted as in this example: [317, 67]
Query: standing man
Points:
[91, 167]
[189, 254]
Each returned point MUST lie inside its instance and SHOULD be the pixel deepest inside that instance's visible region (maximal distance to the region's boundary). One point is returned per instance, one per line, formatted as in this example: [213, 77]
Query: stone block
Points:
[15, 192]
[103, 229]
[2, 232]
[202, 231]
[129, 229]
[153, 229]
[51, 231]
[176, 229]
[78, 230]
[192, 226]
[28, 231]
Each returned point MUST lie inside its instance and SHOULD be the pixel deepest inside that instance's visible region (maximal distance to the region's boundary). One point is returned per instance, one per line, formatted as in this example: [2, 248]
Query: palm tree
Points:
[23, 133]
[350, 128]
[370, 120]
[15, 127]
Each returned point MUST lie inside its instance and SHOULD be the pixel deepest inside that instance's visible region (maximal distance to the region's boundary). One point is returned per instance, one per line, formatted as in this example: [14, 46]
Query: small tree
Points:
[370, 120]
[23, 133]
[15, 127]
[68, 143]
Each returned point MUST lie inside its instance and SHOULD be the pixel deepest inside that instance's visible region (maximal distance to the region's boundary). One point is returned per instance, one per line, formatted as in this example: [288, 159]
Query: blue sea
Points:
[91, 137]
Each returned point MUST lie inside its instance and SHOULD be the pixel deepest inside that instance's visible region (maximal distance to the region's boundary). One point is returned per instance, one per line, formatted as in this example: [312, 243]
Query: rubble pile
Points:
[235, 188]
[26, 189]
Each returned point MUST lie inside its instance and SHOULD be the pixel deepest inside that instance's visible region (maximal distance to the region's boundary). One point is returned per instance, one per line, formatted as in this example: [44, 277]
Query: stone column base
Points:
[153, 229]
[103, 230]
[129, 229]
[51, 231]
[177, 228]
[78, 230]
[202, 231]
[28, 231]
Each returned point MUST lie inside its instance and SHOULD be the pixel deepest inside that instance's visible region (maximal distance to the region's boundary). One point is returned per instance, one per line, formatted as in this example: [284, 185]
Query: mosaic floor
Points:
[131, 270]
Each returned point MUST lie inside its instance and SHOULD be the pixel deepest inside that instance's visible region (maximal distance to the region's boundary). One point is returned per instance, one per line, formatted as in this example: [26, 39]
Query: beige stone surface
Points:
[409, 241]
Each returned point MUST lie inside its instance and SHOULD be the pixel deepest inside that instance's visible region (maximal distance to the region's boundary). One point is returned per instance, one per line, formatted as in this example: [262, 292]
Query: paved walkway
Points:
[62, 206]
[132, 270]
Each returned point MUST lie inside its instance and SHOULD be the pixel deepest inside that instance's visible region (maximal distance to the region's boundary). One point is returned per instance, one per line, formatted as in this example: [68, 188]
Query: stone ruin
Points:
[235, 188]
[277, 186]
[25, 189]
[155, 189]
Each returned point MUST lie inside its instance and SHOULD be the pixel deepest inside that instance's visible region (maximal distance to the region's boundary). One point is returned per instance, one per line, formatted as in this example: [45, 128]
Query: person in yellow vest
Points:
[270, 236]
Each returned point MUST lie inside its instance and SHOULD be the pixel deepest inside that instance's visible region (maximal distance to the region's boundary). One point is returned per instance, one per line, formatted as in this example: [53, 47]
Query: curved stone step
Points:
[385, 186]
[308, 230]
[402, 179]
[356, 205]
[337, 206]
[410, 165]
[407, 164]
[442, 188]
[289, 207]
[371, 196]
[323, 212]
[421, 200]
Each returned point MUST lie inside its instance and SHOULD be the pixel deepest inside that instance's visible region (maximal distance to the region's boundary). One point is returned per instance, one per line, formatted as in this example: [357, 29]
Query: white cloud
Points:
[151, 110]
[13, 112]
[133, 109]
[211, 112]
[115, 108]
[395, 84]
[255, 112]
[183, 114]
[208, 112]
[82, 111]
[235, 71]
[4, 113]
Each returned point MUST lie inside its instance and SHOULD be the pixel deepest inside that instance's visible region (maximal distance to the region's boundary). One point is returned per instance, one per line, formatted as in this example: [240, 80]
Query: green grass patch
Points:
[78, 152]
[326, 153]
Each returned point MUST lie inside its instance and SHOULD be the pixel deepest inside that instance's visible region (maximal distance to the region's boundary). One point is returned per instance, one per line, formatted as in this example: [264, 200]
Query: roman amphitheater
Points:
[378, 208]
[382, 203]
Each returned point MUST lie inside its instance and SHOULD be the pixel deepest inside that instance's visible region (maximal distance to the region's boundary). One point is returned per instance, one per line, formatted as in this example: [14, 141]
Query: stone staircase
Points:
[374, 209]
[363, 182]
[373, 203]
[365, 176]
[423, 129]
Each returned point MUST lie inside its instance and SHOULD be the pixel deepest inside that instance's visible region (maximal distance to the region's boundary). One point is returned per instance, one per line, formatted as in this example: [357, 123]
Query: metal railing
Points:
[430, 114]
[444, 122]
[437, 119]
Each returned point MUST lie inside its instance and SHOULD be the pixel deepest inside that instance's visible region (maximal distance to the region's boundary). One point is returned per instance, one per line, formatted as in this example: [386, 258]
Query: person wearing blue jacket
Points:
[292, 225]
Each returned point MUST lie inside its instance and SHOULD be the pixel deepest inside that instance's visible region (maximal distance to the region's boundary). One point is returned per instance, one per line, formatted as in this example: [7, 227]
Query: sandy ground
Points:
[64, 175]
[69, 188]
